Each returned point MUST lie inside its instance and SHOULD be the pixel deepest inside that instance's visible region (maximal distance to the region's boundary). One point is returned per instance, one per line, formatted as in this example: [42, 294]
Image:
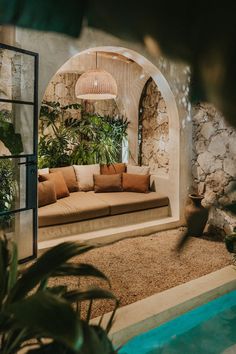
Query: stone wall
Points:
[154, 130]
[62, 89]
[214, 164]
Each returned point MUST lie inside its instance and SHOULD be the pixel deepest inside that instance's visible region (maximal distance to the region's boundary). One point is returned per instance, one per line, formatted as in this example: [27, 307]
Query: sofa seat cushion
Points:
[78, 206]
[125, 202]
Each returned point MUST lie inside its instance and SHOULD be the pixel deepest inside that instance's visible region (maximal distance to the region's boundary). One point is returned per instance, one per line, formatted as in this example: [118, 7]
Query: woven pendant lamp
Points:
[96, 84]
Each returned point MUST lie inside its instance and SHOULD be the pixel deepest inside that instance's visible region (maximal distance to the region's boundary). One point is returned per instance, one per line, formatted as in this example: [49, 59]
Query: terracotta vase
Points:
[196, 215]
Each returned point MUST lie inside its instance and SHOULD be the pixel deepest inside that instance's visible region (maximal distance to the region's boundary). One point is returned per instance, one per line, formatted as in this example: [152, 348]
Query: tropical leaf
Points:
[50, 315]
[52, 348]
[44, 267]
[13, 267]
[81, 269]
[89, 294]
[4, 258]
[95, 341]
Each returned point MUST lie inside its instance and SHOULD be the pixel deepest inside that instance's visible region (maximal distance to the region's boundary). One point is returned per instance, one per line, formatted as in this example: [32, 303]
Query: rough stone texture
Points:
[16, 75]
[155, 130]
[62, 89]
[214, 165]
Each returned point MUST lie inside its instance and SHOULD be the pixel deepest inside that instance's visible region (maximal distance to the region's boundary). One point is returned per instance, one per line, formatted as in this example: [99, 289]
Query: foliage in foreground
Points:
[66, 141]
[48, 317]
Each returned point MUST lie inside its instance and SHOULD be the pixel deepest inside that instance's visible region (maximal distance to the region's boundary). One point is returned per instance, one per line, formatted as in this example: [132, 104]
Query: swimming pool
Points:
[208, 329]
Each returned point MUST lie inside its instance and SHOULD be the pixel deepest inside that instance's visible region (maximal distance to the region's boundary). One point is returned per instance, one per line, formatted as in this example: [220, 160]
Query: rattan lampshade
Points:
[96, 84]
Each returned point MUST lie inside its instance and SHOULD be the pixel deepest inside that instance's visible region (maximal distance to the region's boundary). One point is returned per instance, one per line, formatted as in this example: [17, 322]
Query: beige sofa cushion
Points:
[84, 176]
[78, 206]
[68, 173]
[43, 171]
[138, 170]
[125, 202]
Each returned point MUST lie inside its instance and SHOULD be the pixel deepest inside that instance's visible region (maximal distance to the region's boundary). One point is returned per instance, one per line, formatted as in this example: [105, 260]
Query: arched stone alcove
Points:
[171, 78]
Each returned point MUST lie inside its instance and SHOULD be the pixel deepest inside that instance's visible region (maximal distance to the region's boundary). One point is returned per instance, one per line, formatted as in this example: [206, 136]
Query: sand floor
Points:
[142, 266]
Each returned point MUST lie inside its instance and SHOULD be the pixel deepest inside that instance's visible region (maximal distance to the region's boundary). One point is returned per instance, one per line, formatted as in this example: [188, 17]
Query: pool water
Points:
[210, 328]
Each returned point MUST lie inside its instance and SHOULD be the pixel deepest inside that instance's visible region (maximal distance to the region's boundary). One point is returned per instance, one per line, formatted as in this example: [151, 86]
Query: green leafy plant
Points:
[7, 190]
[8, 136]
[90, 139]
[32, 313]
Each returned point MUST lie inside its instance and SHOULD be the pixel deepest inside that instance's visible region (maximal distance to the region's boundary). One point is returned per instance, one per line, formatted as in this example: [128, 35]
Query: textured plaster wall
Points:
[155, 130]
[214, 164]
[62, 89]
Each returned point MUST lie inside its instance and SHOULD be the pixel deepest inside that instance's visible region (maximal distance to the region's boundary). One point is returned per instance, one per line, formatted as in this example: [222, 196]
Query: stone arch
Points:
[171, 183]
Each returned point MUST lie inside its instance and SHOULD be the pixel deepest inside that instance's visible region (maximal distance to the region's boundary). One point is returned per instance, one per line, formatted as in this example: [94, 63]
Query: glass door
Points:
[18, 147]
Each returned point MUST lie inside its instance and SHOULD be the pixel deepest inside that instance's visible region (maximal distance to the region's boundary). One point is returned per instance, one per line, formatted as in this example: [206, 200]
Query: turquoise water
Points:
[208, 329]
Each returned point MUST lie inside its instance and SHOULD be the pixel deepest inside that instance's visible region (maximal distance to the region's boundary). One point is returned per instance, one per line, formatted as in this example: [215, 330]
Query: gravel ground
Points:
[142, 266]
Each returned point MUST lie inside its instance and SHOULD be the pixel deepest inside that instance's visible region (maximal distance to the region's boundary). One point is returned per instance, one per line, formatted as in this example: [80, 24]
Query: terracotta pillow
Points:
[46, 193]
[68, 173]
[138, 170]
[135, 183]
[112, 169]
[84, 175]
[59, 183]
[107, 183]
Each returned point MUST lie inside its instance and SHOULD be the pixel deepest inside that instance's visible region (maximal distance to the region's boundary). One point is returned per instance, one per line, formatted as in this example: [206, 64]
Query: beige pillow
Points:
[46, 193]
[84, 175]
[59, 182]
[138, 170]
[69, 176]
[43, 171]
[107, 183]
[135, 183]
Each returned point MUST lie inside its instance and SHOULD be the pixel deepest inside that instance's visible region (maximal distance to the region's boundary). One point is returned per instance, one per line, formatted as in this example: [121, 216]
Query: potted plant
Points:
[196, 215]
[35, 315]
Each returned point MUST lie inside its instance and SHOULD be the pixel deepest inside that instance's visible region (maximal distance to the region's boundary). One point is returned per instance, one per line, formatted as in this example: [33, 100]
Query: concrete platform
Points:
[113, 234]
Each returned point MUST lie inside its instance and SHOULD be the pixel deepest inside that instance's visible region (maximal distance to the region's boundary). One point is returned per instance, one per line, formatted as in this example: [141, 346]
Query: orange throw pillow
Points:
[59, 182]
[112, 169]
[135, 183]
[107, 183]
[46, 193]
[68, 173]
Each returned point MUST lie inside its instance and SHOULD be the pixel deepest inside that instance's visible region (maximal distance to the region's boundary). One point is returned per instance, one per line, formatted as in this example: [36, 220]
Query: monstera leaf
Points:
[10, 138]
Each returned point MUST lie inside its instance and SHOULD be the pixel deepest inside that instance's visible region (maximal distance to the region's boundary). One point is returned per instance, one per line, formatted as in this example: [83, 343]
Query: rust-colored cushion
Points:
[68, 173]
[107, 183]
[112, 169]
[46, 193]
[59, 182]
[135, 183]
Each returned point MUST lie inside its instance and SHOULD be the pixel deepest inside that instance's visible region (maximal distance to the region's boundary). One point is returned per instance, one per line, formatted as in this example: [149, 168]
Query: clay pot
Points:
[196, 215]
